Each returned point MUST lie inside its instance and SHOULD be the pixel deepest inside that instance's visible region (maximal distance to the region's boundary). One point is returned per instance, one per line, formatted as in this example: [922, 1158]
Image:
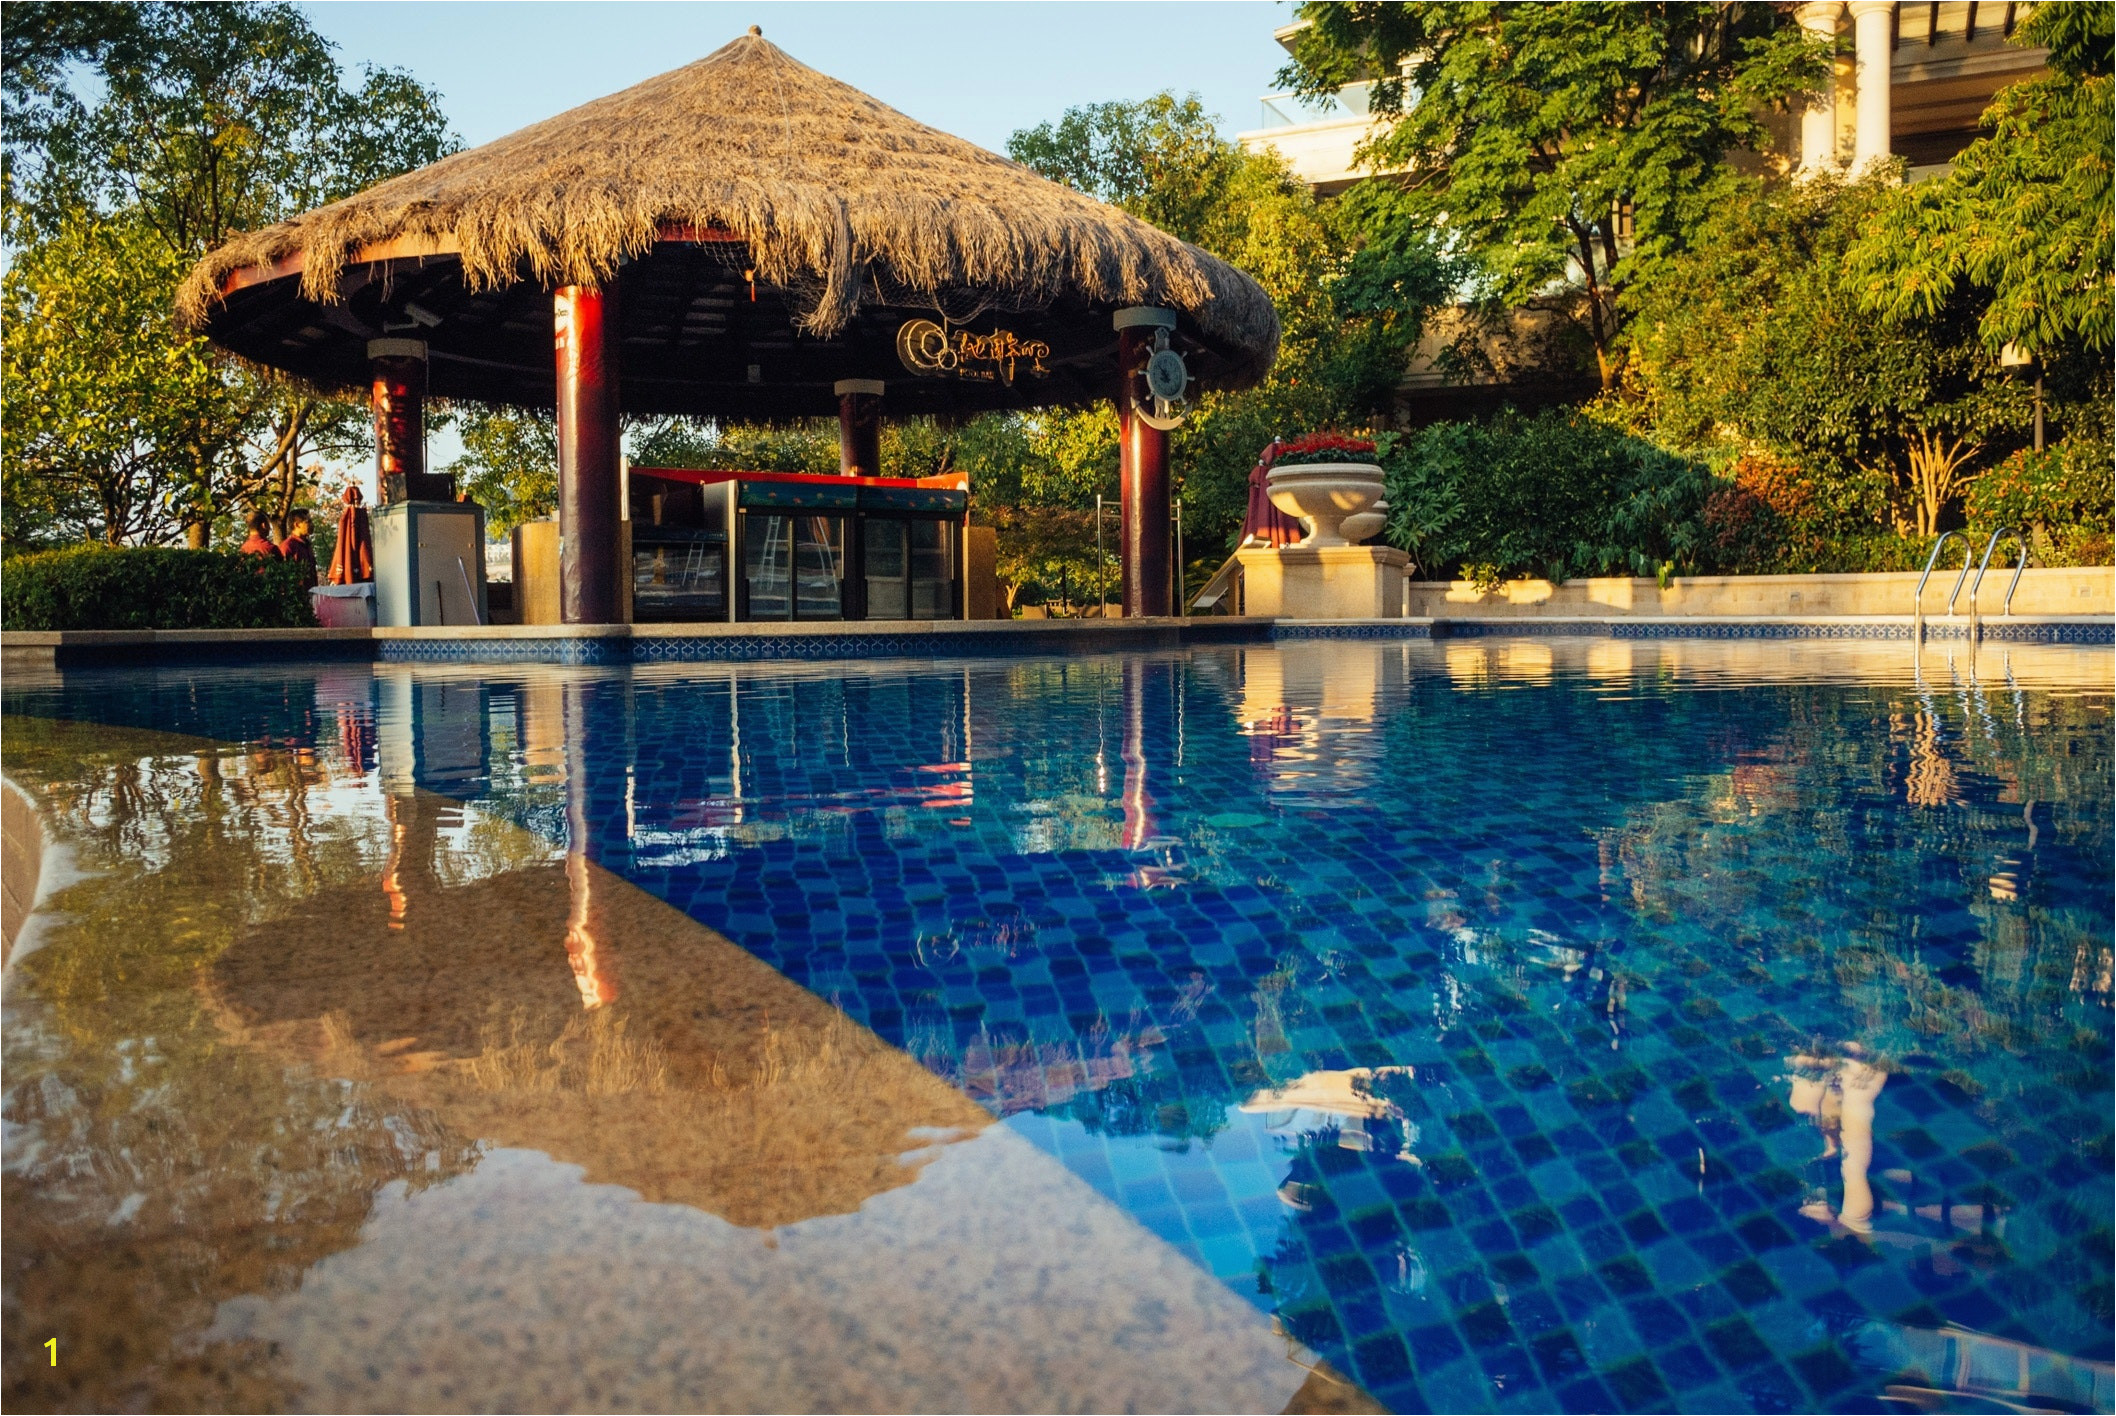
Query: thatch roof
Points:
[835, 199]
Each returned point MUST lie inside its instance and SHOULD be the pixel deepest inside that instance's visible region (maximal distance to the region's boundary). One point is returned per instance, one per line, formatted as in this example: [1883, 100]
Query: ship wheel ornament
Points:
[1167, 387]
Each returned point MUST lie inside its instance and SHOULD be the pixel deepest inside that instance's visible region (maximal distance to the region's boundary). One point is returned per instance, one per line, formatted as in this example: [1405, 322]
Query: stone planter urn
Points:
[1325, 495]
[1366, 525]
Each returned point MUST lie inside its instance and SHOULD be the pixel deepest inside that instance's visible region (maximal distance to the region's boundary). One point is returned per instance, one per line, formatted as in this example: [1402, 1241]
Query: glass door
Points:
[794, 564]
[819, 567]
[932, 569]
[767, 565]
[910, 568]
[888, 597]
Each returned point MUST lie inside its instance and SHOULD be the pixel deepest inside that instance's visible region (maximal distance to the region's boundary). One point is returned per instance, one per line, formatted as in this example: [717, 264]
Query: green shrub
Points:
[1558, 494]
[1772, 517]
[2060, 497]
[101, 587]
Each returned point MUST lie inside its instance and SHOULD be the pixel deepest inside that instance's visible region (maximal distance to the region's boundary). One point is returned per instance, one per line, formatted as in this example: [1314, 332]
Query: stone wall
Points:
[2086, 591]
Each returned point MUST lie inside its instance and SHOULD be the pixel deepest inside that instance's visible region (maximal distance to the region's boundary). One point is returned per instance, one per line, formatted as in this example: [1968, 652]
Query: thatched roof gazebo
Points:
[743, 237]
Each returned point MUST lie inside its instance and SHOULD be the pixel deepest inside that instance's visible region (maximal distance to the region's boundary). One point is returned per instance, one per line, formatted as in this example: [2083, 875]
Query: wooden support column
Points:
[584, 325]
[1142, 457]
[860, 427]
[397, 398]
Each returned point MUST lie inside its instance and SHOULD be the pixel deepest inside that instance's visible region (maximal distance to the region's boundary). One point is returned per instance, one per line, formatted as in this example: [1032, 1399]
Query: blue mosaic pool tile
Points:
[1577, 1198]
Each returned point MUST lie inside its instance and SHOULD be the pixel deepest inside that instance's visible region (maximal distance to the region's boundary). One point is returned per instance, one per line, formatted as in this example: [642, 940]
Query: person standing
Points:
[299, 549]
[260, 542]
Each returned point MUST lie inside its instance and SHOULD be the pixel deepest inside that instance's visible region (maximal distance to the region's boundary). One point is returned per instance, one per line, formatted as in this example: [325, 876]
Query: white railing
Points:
[1286, 110]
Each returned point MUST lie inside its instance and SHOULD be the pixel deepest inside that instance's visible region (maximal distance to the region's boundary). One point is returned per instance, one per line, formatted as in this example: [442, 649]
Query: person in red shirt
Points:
[260, 541]
[299, 549]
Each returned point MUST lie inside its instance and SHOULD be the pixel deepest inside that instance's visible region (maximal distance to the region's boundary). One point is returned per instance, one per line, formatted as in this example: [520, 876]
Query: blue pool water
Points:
[1528, 1025]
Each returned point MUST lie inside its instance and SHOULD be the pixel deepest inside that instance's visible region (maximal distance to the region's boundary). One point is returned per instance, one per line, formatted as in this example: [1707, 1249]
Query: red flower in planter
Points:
[1320, 447]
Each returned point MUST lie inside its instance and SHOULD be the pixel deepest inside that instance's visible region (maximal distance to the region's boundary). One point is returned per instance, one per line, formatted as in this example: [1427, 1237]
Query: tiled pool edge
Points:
[2023, 629]
[646, 644]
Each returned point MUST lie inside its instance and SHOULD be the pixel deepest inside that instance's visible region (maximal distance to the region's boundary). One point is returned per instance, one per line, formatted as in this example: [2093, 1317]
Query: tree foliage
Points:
[2024, 215]
[1755, 336]
[2061, 499]
[115, 417]
[137, 137]
[1353, 282]
[1558, 494]
[204, 119]
[1563, 147]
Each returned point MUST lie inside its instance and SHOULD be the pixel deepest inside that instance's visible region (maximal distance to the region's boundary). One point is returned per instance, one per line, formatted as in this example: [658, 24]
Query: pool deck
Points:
[650, 643]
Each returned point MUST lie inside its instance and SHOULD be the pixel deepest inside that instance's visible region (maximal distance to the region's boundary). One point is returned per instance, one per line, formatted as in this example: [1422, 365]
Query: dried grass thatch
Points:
[836, 194]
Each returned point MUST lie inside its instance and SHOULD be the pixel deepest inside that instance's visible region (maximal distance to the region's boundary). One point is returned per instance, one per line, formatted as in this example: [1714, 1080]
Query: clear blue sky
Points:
[978, 70]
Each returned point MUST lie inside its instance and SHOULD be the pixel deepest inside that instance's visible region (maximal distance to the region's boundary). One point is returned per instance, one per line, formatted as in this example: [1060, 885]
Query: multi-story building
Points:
[1911, 81]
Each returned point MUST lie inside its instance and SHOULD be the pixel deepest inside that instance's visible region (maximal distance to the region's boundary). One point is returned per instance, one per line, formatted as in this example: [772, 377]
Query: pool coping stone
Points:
[653, 643]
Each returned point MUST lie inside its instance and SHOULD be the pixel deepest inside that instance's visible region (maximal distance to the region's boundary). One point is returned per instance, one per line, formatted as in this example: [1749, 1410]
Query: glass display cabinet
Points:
[762, 546]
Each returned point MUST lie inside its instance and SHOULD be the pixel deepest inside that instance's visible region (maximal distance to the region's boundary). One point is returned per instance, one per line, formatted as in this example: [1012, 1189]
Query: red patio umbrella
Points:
[353, 560]
[1265, 524]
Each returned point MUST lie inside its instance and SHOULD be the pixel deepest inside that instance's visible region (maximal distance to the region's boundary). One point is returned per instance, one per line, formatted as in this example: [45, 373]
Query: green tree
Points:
[207, 119]
[1353, 282]
[509, 464]
[1562, 147]
[2023, 216]
[1160, 158]
[114, 414]
[187, 122]
[1755, 336]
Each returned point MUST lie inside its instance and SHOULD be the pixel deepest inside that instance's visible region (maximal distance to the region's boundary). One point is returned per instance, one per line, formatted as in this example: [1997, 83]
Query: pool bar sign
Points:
[931, 351]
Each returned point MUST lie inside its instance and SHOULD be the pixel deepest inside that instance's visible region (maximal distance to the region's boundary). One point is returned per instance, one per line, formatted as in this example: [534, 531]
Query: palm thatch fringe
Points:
[835, 194]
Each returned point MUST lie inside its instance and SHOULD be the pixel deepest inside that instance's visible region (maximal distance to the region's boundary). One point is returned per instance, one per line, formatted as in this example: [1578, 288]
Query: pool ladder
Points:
[2020, 563]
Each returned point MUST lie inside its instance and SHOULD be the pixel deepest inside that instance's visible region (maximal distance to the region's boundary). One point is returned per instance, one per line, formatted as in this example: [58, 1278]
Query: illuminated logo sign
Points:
[930, 351]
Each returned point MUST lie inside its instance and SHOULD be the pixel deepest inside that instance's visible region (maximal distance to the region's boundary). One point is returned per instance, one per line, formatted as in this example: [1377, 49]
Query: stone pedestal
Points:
[1324, 582]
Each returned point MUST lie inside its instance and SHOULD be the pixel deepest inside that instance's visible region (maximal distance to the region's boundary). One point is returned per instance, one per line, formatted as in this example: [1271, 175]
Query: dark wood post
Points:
[397, 397]
[1142, 456]
[860, 427]
[584, 317]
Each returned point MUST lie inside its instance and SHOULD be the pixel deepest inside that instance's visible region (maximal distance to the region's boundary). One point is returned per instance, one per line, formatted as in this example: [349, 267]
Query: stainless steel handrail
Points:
[2020, 564]
[1917, 609]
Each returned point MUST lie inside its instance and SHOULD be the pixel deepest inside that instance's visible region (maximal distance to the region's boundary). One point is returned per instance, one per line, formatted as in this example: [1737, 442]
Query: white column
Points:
[1873, 25]
[1818, 121]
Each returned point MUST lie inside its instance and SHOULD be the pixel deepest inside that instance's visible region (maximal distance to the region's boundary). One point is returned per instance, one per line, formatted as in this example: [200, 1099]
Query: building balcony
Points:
[1317, 138]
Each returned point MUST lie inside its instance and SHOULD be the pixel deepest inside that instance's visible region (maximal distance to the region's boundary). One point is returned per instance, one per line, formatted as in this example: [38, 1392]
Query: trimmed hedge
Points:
[150, 587]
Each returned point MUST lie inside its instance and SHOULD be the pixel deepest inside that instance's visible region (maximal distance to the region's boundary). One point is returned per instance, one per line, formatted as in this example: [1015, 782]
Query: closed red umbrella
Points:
[1265, 524]
[353, 560]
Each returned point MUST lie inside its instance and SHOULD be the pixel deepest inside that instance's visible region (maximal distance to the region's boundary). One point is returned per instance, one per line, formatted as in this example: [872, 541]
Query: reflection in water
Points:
[151, 1170]
[1140, 827]
[712, 1082]
[281, 1138]
[1348, 1098]
[1838, 1095]
[1547, 939]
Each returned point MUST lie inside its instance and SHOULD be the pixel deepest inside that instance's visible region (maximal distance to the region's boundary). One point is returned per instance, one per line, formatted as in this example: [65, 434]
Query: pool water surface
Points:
[1509, 1025]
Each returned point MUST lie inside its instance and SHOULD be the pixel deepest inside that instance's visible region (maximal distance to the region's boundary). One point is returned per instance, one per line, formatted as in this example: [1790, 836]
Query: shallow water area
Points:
[1488, 1025]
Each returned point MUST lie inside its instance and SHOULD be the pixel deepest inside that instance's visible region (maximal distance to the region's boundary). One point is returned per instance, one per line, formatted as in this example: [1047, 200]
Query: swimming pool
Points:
[1520, 1024]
